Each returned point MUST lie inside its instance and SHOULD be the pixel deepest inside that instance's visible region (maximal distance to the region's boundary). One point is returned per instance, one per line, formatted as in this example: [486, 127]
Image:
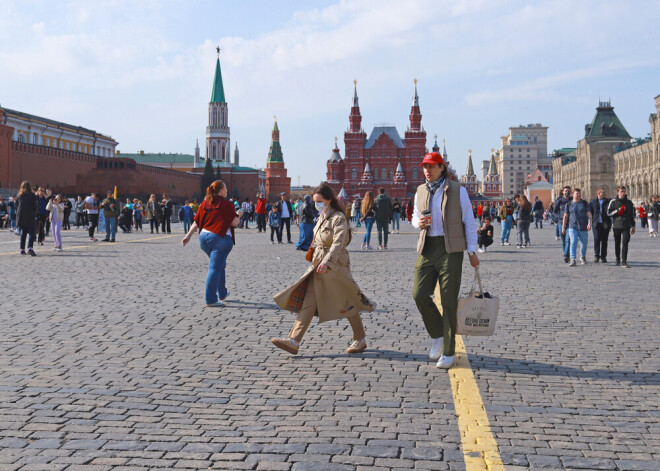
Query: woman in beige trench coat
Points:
[327, 288]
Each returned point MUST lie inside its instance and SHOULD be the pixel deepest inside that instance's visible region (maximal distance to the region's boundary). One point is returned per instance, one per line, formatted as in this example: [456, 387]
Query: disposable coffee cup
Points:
[426, 214]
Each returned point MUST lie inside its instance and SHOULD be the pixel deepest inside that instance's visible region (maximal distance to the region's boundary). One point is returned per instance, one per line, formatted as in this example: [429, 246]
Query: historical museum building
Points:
[383, 159]
[607, 156]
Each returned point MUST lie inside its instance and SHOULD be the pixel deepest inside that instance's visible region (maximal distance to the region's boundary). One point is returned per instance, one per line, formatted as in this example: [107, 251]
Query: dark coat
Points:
[26, 210]
[383, 207]
[595, 213]
[625, 220]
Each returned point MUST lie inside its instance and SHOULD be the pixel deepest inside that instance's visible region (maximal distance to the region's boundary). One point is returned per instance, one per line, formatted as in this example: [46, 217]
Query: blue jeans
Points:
[506, 229]
[306, 235]
[565, 241]
[557, 226]
[573, 236]
[396, 217]
[110, 228]
[368, 225]
[186, 225]
[217, 248]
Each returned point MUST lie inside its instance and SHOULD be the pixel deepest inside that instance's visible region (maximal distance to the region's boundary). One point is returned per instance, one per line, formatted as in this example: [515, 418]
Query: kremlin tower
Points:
[276, 174]
[218, 147]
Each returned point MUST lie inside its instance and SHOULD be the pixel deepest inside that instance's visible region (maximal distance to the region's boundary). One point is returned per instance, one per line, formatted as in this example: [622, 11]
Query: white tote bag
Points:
[477, 313]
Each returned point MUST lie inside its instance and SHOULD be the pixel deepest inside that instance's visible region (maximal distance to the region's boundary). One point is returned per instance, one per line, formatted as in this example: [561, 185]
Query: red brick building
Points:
[277, 180]
[383, 159]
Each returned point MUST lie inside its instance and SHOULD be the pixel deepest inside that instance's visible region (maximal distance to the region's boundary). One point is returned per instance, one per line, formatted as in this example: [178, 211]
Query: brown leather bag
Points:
[310, 251]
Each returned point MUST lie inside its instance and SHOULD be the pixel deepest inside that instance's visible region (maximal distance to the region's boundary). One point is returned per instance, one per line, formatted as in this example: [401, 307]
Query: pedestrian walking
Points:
[601, 225]
[166, 207]
[11, 214]
[368, 216]
[643, 218]
[274, 222]
[154, 213]
[111, 211]
[537, 211]
[216, 220]
[577, 222]
[260, 210]
[92, 209]
[654, 215]
[66, 223]
[307, 217]
[480, 212]
[443, 212]
[138, 209]
[383, 207]
[524, 221]
[560, 210]
[186, 216]
[409, 211]
[27, 208]
[42, 215]
[506, 215]
[56, 209]
[245, 218]
[286, 211]
[622, 212]
[327, 288]
[396, 215]
[79, 209]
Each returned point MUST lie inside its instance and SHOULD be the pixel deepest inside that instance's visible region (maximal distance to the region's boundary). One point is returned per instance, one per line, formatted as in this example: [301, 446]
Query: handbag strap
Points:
[317, 231]
[477, 281]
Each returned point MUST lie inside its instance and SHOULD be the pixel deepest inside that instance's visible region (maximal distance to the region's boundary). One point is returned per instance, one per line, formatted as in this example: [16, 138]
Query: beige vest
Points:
[452, 216]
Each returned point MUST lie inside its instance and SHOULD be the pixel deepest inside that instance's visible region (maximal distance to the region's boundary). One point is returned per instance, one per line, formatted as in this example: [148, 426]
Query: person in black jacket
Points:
[286, 213]
[601, 225]
[166, 208]
[622, 212]
[26, 215]
[306, 224]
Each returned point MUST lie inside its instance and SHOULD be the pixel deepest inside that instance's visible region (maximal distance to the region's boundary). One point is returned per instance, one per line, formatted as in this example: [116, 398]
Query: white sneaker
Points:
[436, 349]
[446, 362]
[225, 296]
[480, 250]
[216, 304]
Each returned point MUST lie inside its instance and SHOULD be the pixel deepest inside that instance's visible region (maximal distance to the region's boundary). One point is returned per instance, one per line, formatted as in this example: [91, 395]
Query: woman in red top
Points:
[215, 220]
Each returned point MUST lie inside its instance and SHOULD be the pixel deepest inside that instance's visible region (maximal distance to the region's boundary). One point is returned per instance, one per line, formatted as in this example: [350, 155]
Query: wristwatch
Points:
[472, 253]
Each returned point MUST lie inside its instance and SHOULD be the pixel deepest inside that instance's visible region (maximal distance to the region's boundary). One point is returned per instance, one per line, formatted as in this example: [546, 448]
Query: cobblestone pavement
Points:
[109, 359]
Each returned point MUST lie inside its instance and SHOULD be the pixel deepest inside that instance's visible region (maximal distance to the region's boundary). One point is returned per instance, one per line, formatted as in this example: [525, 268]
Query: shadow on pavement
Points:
[514, 365]
[390, 355]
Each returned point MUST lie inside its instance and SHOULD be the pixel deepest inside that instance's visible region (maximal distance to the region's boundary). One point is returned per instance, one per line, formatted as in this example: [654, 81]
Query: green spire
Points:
[275, 153]
[218, 95]
[470, 169]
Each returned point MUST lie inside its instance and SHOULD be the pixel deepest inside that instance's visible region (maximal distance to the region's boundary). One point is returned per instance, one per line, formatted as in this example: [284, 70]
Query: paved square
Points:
[109, 359]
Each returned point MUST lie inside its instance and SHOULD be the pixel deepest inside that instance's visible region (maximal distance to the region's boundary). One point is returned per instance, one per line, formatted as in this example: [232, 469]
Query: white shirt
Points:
[437, 229]
[92, 201]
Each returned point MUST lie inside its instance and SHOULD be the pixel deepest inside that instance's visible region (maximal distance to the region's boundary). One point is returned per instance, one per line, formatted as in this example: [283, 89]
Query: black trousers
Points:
[66, 225]
[154, 223]
[600, 240]
[93, 223]
[275, 231]
[166, 224]
[261, 222]
[621, 240]
[81, 219]
[484, 241]
[287, 222]
[25, 232]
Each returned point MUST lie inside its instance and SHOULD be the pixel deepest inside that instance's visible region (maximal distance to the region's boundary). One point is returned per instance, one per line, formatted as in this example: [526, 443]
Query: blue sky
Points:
[142, 71]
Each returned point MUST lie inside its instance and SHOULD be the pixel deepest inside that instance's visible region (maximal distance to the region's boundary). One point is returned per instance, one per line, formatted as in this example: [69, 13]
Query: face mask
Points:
[320, 206]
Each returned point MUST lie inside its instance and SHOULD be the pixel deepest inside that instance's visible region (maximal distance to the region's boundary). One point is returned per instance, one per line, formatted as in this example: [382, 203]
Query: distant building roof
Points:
[52, 122]
[605, 124]
[160, 158]
[390, 131]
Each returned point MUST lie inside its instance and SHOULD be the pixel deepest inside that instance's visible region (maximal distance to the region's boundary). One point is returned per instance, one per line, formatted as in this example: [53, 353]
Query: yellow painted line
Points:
[480, 449]
[99, 244]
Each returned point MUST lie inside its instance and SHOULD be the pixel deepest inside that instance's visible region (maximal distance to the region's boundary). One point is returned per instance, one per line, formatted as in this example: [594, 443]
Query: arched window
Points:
[334, 175]
[353, 173]
[213, 153]
[384, 174]
[21, 138]
[376, 173]
[414, 173]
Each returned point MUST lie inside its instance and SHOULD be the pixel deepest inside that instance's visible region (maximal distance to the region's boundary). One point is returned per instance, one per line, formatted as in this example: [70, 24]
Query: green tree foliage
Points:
[207, 177]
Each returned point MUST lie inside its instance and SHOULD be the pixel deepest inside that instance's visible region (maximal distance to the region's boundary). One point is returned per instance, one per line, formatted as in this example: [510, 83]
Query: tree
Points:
[217, 173]
[207, 177]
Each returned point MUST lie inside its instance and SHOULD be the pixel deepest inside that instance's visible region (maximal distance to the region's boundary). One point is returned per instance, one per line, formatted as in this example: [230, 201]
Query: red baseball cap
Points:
[433, 158]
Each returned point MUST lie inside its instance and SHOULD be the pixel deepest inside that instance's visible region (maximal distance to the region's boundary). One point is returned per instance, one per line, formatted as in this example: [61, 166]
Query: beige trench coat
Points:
[337, 295]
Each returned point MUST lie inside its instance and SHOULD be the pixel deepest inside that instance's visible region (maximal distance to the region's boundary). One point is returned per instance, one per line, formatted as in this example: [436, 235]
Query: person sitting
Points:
[485, 235]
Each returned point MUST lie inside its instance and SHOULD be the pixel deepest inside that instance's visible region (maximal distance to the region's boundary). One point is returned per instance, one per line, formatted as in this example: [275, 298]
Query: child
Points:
[56, 208]
[274, 221]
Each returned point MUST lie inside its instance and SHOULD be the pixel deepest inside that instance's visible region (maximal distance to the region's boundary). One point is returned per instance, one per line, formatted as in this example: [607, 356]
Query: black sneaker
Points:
[105, 240]
[617, 263]
[31, 252]
[596, 259]
[567, 259]
[603, 260]
[625, 265]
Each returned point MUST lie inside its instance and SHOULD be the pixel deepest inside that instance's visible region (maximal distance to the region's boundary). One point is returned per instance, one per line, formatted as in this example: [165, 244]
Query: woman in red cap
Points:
[443, 212]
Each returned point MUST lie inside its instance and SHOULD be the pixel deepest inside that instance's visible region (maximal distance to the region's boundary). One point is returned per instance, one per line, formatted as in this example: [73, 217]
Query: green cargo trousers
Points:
[383, 228]
[435, 266]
